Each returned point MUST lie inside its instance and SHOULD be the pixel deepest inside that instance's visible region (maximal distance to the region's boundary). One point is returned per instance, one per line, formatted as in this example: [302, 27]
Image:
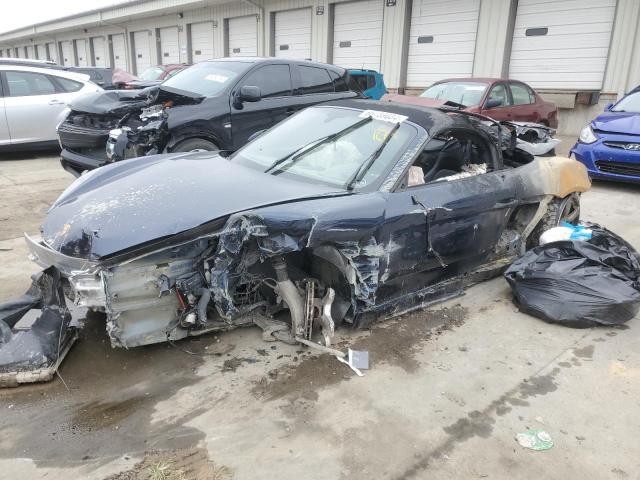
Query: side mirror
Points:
[608, 107]
[496, 102]
[249, 93]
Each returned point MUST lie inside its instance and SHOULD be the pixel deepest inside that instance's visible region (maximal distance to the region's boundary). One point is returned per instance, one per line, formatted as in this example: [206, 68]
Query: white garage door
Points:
[562, 44]
[83, 52]
[442, 40]
[29, 51]
[52, 52]
[357, 34]
[41, 52]
[67, 53]
[119, 51]
[201, 41]
[169, 45]
[142, 59]
[98, 51]
[292, 31]
[243, 36]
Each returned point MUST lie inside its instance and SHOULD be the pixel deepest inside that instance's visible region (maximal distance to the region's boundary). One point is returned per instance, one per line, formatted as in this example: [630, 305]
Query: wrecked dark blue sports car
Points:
[343, 214]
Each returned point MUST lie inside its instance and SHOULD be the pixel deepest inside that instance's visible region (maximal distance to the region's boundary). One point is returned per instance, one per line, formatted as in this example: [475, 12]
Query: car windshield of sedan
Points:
[463, 93]
[337, 146]
[207, 78]
[630, 103]
[151, 73]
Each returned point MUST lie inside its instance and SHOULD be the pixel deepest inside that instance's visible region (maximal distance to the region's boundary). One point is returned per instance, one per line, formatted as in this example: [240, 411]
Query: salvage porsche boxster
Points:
[343, 214]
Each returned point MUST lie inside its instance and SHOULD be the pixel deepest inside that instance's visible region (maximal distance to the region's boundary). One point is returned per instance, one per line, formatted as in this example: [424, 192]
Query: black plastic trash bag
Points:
[578, 283]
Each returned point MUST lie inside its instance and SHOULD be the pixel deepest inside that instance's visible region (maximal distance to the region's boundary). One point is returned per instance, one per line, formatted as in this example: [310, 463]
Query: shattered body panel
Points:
[175, 245]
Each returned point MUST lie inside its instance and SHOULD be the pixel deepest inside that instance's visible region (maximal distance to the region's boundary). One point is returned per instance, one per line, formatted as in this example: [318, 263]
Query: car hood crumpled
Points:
[122, 101]
[618, 122]
[137, 201]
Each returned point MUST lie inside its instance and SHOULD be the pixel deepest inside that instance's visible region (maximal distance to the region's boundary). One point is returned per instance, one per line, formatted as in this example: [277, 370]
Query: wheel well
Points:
[174, 142]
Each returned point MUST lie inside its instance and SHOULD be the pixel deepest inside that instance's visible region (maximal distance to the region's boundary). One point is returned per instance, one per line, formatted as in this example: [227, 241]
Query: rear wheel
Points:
[559, 210]
[195, 145]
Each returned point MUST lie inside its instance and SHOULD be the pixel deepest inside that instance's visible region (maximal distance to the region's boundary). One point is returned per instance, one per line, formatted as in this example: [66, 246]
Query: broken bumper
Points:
[33, 353]
[75, 163]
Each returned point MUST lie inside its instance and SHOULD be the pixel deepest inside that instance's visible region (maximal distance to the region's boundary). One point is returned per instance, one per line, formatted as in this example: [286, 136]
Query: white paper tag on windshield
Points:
[212, 77]
[383, 116]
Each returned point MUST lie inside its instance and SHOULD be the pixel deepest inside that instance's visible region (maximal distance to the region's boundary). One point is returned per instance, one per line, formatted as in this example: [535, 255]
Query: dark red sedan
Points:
[498, 98]
[155, 75]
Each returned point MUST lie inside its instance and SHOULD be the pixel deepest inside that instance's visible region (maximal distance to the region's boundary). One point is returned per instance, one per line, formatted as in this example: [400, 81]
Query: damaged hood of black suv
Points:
[131, 203]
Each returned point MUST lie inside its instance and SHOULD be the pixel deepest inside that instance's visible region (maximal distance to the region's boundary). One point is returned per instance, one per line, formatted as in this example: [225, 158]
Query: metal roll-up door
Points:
[67, 53]
[41, 51]
[201, 41]
[29, 51]
[52, 52]
[242, 36]
[292, 33]
[562, 44]
[442, 40]
[83, 52]
[169, 45]
[357, 34]
[142, 56]
[98, 51]
[119, 51]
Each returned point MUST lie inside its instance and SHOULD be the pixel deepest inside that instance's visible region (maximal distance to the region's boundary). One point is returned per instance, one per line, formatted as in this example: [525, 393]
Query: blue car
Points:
[610, 145]
[370, 82]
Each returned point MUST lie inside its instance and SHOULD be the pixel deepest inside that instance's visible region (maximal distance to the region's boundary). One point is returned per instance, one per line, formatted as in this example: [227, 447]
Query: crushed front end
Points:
[117, 125]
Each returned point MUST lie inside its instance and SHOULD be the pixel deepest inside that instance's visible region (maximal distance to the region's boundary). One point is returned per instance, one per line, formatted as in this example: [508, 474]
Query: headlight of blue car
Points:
[587, 135]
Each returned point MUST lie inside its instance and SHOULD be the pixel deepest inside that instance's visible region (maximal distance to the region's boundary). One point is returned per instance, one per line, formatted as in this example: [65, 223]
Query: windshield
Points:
[151, 73]
[464, 93]
[207, 78]
[630, 103]
[345, 148]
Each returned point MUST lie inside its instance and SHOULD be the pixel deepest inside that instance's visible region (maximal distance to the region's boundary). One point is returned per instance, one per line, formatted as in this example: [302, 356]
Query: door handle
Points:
[55, 102]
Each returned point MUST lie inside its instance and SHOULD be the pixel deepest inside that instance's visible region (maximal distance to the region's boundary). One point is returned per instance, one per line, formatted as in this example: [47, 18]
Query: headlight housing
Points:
[587, 135]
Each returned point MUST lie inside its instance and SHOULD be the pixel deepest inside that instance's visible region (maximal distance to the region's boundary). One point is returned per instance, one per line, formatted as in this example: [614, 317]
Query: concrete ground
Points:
[448, 389]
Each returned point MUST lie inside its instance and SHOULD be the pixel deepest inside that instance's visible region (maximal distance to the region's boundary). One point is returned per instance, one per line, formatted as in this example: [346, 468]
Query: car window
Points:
[335, 151]
[315, 80]
[521, 94]
[67, 85]
[273, 80]
[365, 81]
[207, 78]
[339, 84]
[630, 103]
[462, 93]
[151, 73]
[24, 84]
[497, 97]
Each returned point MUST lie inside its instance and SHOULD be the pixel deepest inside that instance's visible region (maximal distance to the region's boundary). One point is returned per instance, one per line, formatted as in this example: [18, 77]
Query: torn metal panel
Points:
[34, 354]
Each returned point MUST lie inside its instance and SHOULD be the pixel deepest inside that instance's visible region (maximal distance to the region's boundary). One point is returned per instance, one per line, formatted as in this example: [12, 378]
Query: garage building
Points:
[580, 54]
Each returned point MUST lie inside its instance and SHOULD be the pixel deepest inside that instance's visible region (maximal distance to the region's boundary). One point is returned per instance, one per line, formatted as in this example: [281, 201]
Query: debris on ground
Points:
[188, 464]
[356, 360]
[535, 439]
[579, 283]
[566, 231]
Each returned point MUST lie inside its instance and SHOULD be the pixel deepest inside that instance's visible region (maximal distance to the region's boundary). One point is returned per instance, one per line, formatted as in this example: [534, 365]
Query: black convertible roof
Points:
[431, 119]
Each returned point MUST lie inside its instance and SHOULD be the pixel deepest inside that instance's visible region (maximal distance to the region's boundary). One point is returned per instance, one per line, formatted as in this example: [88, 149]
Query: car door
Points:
[5, 137]
[315, 84]
[445, 228]
[274, 105]
[33, 106]
[497, 104]
[524, 107]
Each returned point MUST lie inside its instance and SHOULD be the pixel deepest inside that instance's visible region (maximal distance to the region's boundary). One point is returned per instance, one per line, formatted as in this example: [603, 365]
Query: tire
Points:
[195, 145]
[559, 210]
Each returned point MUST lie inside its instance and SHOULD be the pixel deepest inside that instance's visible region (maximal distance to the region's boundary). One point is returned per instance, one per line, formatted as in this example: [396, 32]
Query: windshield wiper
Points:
[366, 165]
[334, 136]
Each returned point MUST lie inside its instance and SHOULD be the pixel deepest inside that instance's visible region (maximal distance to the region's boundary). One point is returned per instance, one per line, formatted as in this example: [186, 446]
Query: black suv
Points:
[213, 105]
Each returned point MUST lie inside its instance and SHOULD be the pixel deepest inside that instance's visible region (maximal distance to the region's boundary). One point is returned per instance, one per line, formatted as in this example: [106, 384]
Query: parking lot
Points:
[447, 391]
